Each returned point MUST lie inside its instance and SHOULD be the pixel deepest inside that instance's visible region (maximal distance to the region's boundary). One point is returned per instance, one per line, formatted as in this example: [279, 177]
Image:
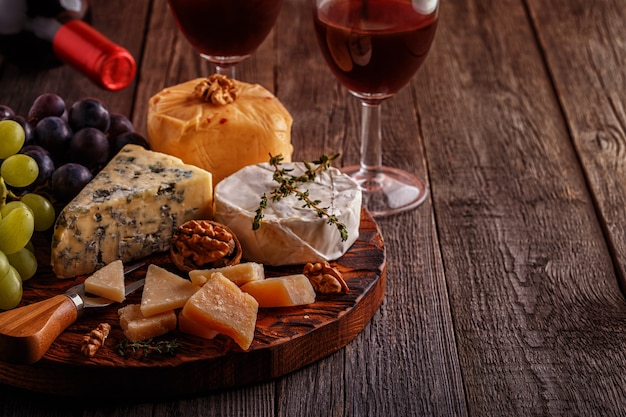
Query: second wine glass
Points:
[374, 47]
[225, 32]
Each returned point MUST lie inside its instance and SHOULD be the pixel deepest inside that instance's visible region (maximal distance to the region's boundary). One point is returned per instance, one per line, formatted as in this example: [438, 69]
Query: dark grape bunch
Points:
[47, 158]
[70, 144]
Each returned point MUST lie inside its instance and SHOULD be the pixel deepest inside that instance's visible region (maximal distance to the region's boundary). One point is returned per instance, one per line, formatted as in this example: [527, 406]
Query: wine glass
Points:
[374, 47]
[225, 32]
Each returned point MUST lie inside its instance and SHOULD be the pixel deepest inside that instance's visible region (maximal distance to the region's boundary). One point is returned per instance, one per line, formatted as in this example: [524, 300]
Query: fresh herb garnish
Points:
[147, 347]
[288, 185]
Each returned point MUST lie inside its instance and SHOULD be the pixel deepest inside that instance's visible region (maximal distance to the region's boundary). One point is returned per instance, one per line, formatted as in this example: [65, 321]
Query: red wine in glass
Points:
[374, 47]
[225, 31]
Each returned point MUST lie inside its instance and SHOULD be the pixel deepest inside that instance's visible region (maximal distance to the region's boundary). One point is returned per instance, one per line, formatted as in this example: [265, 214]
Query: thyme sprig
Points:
[288, 185]
[147, 347]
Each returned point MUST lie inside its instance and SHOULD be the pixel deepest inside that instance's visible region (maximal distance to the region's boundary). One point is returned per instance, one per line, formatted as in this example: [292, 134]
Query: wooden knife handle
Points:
[27, 332]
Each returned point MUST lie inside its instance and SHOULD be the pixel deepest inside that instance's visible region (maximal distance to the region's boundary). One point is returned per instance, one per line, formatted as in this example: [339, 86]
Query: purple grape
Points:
[69, 179]
[6, 112]
[119, 124]
[47, 104]
[54, 134]
[44, 161]
[89, 112]
[90, 147]
[34, 148]
[134, 138]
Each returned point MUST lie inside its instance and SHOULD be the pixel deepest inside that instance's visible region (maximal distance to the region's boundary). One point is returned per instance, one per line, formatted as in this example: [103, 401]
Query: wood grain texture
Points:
[503, 294]
[598, 128]
[285, 339]
[537, 311]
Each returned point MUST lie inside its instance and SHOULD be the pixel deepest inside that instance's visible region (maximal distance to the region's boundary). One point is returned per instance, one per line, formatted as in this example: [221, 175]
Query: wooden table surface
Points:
[505, 288]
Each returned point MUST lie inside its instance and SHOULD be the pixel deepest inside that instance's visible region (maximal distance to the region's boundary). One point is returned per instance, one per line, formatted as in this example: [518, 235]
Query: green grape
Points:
[11, 138]
[19, 170]
[4, 264]
[12, 205]
[42, 210]
[30, 246]
[4, 193]
[24, 262]
[10, 289]
[16, 229]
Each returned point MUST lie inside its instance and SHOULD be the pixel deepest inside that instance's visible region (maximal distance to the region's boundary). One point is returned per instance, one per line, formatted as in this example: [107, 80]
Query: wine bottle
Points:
[45, 33]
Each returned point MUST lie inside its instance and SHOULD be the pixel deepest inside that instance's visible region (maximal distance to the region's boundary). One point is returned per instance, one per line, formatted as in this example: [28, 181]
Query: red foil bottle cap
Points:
[104, 62]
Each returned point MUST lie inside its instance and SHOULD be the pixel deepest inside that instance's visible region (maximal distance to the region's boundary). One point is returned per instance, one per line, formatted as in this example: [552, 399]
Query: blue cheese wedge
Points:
[289, 233]
[129, 211]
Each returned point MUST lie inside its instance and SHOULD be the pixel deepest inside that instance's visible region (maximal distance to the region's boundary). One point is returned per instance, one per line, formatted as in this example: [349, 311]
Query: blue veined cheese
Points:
[289, 234]
[128, 211]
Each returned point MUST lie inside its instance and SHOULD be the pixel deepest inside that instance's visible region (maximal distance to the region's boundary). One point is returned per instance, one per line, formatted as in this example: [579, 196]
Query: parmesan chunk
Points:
[108, 282]
[220, 305]
[239, 274]
[287, 291]
[137, 327]
[164, 291]
[187, 325]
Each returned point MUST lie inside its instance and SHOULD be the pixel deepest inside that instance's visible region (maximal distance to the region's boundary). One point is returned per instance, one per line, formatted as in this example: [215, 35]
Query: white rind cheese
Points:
[289, 234]
[129, 211]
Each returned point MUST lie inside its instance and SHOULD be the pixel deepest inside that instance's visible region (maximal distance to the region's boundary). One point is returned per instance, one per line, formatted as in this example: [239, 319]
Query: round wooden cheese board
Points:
[286, 339]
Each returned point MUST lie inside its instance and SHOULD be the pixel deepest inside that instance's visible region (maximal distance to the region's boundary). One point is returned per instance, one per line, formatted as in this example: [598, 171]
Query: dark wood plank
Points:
[586, 55]
[539, 317]
[413, 330]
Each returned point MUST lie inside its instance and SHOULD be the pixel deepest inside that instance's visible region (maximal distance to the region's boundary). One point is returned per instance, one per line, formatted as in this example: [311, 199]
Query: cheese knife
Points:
[27, 332]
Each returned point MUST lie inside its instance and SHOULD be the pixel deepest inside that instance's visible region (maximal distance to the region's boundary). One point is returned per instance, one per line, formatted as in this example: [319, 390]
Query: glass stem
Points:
[227, 70]
[371, 140]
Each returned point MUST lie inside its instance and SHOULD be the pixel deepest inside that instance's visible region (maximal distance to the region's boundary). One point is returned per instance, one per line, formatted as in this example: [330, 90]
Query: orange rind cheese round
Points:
[220, 138]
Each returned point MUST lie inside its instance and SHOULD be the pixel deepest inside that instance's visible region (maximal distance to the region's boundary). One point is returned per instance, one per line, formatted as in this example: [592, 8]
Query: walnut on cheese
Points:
[217, 89]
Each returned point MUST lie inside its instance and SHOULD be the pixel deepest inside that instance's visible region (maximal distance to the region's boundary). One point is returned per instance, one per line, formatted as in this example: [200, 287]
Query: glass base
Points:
[388, 190]
[224, 61]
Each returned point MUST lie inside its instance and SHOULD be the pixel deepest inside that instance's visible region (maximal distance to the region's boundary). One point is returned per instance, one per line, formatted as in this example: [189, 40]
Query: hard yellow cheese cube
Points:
[221, 306]
[287, 291]
[108, 282]
[187, 325]
[164, 291]
[137, 327]
[239, 274]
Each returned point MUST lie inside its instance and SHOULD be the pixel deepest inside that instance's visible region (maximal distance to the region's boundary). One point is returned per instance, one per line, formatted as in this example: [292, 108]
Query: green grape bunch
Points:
[20, 216]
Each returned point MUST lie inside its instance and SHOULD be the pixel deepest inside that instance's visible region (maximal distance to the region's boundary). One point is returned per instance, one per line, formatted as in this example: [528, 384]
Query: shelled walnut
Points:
[202, 244]
[217, 89]
[324, 278]
[94, 340]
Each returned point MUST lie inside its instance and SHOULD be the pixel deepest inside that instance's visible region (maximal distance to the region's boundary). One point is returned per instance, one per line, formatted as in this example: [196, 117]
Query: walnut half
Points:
[324, 278]
[202, 244]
